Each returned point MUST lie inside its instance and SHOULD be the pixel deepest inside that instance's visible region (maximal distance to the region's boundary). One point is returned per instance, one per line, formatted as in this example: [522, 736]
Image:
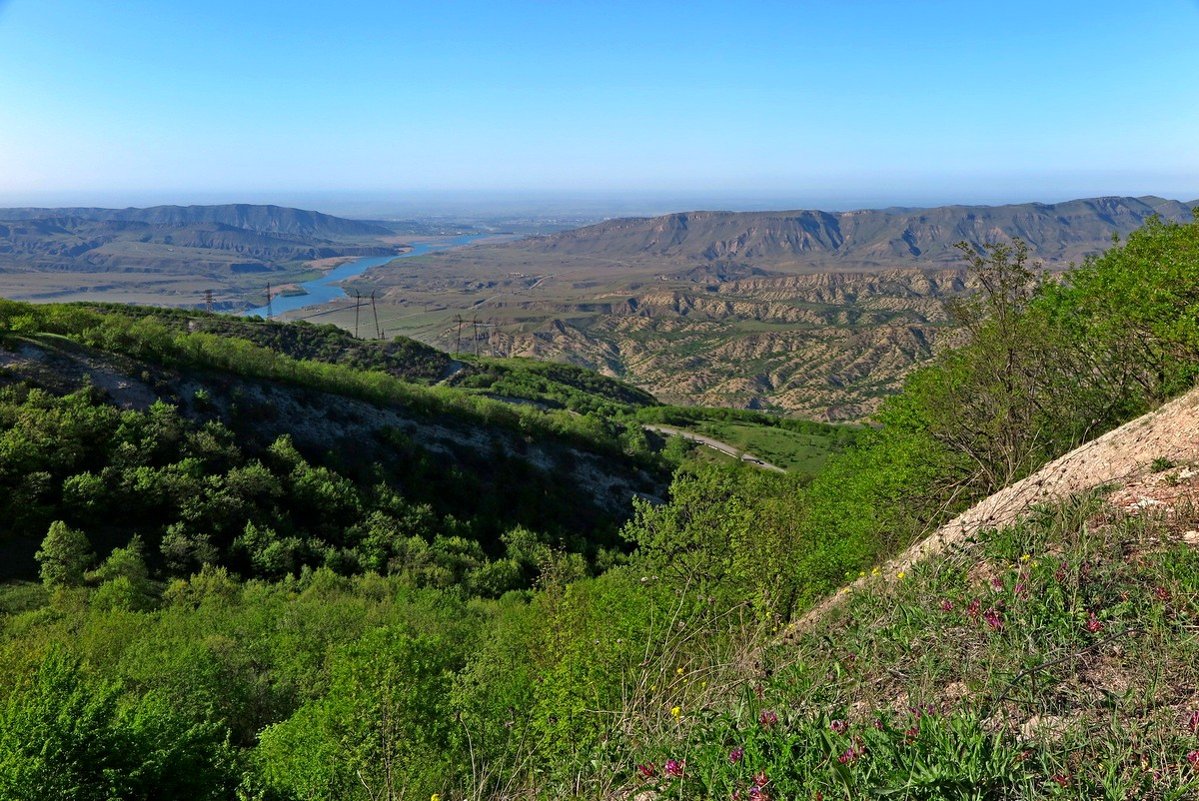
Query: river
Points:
[327, 288]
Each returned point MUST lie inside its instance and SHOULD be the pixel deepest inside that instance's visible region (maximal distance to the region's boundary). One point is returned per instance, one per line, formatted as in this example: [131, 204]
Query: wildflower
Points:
[760, 779]
[1161, 593]
[768, 718]
[850, 756]
[878, 724]
[875, 572]
[994, 619]
[912, 733]
[679, 671]
[1021, 590]
[1093, 624]
[1062, 779]
[901, 575]
[675, 711]
[435, 797]
[759, 793]
[674, 768]
[1193, 759]
[973, 609]
[1193, 722]
[736, 755]
[648, 770]
[1025, 557]
[1060, 573]
[996, 584]
[839, 726]
[947, 605]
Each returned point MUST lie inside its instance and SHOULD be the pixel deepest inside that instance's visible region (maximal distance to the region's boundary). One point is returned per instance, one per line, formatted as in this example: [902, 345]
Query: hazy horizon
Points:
[465, 205]
[572, 108]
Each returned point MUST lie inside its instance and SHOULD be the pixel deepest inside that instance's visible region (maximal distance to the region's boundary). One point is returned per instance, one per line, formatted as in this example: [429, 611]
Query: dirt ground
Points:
[1124, 456]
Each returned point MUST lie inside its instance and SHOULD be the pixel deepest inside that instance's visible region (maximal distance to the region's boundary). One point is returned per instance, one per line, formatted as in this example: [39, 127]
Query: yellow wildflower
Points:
[875, 572]
[679, 671]
[901, 575]
[676, 711]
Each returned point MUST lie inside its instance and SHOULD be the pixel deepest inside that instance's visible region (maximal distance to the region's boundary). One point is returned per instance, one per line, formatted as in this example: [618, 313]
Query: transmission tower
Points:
[270, 308]
[375, 311]
[357, 306]
[208, 300]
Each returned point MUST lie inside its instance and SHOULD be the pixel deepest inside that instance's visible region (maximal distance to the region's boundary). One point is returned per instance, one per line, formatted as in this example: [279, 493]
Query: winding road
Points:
[715, 444]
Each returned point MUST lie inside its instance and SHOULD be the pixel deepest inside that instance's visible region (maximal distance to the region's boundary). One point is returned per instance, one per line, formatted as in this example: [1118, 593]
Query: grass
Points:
[791, 450]
[1052, 659]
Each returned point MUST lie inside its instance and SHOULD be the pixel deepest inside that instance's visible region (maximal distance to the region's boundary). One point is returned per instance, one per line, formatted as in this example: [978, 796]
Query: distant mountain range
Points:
[174, 255]
[869, 239]
[259, 219]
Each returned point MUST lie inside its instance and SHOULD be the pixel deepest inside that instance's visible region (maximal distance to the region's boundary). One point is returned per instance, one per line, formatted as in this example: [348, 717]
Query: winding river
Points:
[327, 288]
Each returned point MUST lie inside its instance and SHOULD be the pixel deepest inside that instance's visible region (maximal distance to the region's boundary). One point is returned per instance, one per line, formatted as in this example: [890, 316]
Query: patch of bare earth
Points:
[1124, 456]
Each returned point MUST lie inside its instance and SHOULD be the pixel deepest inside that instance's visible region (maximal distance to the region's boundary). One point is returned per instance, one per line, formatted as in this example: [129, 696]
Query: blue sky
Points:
[860, 102]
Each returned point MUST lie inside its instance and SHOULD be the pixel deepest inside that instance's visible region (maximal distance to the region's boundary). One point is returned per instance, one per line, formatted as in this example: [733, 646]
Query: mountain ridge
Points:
[866, 238]
[253, 217]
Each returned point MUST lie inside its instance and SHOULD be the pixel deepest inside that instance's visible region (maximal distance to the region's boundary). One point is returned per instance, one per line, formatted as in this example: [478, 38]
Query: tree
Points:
[64, 556]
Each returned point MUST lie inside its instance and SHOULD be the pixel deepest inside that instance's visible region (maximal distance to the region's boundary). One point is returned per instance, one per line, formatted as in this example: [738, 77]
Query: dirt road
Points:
[714, 444]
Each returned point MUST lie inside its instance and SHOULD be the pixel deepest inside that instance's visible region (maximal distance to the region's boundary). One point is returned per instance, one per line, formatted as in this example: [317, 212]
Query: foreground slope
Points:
[1126, 458]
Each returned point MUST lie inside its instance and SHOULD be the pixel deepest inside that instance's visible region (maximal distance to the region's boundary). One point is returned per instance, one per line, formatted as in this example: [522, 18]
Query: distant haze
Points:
[602, 109]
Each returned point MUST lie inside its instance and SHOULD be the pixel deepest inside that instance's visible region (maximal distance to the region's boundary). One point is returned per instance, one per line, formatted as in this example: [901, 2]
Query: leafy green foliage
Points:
[64, 556]
[65, 736]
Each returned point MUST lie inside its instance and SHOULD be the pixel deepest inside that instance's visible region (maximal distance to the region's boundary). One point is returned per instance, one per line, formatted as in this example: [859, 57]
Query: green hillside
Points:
[240, 595]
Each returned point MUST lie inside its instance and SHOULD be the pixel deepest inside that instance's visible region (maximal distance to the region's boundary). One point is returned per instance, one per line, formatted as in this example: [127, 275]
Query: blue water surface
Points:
[327, 288]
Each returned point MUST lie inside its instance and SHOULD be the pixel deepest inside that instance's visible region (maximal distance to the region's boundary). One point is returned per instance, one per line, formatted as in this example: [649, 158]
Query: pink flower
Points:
[1161, 593]
[759, 793]
[648, 770]
[1193, 722]
[674, 768]
[850, 756]
[1094, 625]
[736, 755]
[1062, 779]
[994, 619]
[760, 779]
[973, 609]
[839, 726]
[768, 718]
[947, 605]
[996, 584]
[1193, 759]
